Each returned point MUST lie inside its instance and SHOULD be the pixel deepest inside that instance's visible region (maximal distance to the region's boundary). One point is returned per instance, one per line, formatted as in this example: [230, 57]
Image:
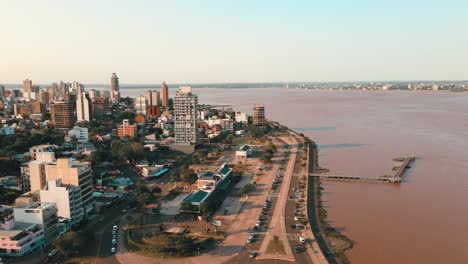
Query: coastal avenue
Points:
[278, 225]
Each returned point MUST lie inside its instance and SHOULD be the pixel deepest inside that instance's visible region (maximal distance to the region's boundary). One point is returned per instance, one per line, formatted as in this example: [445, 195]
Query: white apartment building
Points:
[43, 214]
[67, 198]
[185, 112]
[40, 148]
[80, 133]
[241, 117]
[74, 173]
[83, 107]
[141, 105]
[227, 124]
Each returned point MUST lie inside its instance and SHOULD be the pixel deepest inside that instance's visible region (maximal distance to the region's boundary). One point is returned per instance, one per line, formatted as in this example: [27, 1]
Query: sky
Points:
[232, 41]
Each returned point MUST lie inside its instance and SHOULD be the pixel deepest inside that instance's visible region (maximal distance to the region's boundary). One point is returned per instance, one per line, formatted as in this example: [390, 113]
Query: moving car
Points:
[253, 254]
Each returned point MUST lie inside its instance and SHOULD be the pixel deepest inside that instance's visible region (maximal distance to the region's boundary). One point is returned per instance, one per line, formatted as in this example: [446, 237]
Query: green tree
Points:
[190, 177]
[68, 244]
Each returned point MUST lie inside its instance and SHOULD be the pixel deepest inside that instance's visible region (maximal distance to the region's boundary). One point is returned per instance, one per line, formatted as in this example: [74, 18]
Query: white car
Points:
[114, 227]
[52, 253]
[113, 249]
[296, 218]
[114, 241]
[258, 223]
[302, 239]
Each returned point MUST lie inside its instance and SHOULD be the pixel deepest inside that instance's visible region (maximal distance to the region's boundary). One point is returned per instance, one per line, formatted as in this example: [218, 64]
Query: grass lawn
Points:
[275, 247]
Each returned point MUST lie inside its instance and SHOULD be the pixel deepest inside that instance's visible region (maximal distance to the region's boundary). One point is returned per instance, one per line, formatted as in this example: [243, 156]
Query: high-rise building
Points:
[44, 97]
[93, 93]
[99, 107]
[185, 112]
[165, 95]
[74, 173]
[115, 88]
[83, 107]
[126, 130]
[259, 115]
[37, 176]
[2, 91]
[63, 114]
[140, 105]
[67, 198]
[27, 86]
[152, 97]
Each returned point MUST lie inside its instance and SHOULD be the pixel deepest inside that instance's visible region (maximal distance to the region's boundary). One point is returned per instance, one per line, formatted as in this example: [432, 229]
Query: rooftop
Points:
[196, 196]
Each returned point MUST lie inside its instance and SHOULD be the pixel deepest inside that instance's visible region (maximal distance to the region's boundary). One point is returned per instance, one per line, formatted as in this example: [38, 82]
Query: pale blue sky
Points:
[232, 41]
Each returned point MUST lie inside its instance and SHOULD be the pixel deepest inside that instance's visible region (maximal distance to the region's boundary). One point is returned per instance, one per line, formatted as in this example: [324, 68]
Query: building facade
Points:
[185, 113]
[67, 198]
[62, 114]
[126, 130]
[83, 107]
[43, 214]
[141, 105]
[74, 173]
[165, 95]
[153, 98]
[99, 107]
[259, 115]
[115, 88]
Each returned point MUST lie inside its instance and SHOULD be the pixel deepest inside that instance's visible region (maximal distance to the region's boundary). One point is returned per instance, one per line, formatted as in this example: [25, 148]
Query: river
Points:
[422, 220]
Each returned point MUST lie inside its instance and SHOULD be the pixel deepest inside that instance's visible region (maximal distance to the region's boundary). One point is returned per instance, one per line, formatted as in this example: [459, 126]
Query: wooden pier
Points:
[396, 178]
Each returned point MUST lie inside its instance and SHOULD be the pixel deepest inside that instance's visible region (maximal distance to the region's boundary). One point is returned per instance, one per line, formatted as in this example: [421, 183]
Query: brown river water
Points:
[422, 220]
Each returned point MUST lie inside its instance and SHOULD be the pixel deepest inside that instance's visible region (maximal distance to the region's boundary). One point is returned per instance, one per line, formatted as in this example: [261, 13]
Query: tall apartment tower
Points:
[115, 88]
[141, 105]
[62, 114]
[259, 115]
[2, 91]
[27, 86]
[152, 97]
[185, 112]
[165, 95]
[83, 106]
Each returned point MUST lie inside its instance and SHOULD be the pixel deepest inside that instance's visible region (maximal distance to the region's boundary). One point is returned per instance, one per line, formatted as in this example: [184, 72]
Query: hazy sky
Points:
[232, 41]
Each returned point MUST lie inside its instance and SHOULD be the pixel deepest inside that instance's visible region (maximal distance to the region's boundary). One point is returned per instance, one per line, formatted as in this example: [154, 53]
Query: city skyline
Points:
[211, 42]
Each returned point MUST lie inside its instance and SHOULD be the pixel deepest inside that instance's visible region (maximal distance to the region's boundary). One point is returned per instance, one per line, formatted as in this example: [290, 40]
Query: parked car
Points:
[299, 249]
[52, 253]
[113, 250]
[114, 241]
[302, 239]
[114, 227]
[253, 254]
[296, 218]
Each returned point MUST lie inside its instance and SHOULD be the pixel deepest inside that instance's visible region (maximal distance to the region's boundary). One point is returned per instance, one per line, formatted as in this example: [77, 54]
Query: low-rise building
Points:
[244, 152]
[154, 171]
[40, 148]
[80, 133]
[208, 183]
